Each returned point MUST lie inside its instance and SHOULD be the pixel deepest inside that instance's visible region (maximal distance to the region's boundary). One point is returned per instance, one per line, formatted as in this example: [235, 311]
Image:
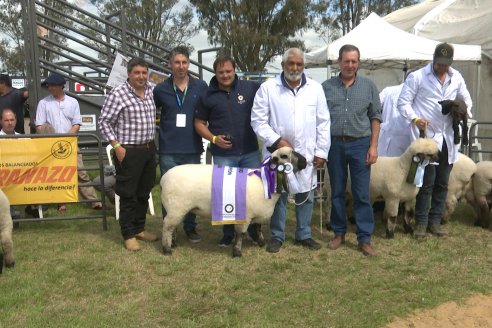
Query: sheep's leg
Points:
[456, 130]
[238, 241]
[483, 218]
[465, 130]
[168, 230]
[391, 214]
[390, 228]
[408, 214]
[8, 246]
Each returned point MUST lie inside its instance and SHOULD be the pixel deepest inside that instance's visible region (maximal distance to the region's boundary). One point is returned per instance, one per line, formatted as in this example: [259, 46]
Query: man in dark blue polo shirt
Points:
[223, 116]
[178, 142]
[13, 99]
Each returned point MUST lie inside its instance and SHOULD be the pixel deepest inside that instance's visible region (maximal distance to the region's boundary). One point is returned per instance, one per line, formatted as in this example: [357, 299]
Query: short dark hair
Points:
[5, 79]
[348, 48]
[7, 110]
[136, 62]
[222, 59]
[179, 50]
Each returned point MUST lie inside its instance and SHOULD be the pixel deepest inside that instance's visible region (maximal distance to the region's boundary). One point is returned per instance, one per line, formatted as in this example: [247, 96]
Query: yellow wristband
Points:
[415, 120]
[116, 145]
[213, 139]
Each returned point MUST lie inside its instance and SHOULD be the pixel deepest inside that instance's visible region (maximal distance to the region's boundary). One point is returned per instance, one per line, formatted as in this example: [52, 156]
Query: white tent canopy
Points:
[383, 45]
[461, 21]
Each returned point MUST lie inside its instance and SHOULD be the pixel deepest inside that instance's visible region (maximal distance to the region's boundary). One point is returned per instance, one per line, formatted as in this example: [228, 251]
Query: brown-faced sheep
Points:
[187, 188]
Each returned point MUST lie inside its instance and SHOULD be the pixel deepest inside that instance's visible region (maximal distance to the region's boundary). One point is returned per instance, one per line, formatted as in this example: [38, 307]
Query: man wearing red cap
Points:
[419, 105]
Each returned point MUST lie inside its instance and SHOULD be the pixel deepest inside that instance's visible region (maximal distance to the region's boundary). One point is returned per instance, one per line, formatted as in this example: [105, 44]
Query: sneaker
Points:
[437, 230]
[273, 246]
[420, 231]
[308, 243]
[226, 241]
[193, 236]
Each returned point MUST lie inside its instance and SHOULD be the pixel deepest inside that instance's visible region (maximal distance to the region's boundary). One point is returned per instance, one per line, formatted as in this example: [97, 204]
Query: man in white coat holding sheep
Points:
[291, 110]
[419, 105]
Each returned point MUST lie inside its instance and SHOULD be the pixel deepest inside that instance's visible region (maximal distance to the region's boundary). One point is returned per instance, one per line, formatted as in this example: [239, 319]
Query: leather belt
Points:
[148, 145]
[345, 138]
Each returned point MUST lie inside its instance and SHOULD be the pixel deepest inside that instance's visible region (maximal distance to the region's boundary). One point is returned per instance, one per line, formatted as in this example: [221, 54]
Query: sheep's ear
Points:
[301, 160]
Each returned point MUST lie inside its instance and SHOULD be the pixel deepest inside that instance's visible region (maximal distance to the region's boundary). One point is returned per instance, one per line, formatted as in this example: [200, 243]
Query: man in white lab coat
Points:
[291, 110]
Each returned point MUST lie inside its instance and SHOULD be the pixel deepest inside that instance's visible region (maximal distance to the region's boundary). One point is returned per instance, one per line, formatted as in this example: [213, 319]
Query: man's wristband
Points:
[213, 139]
[415, 120]
[116, 145]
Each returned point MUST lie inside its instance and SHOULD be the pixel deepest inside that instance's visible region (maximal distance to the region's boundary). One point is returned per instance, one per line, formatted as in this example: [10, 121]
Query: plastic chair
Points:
[474, 140]
[203, 156]
[117, 198]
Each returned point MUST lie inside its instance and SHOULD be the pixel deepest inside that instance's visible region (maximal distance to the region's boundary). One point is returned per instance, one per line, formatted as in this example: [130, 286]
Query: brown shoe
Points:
[367, 249]
[132, 244]
[336, 242]
[147, 236]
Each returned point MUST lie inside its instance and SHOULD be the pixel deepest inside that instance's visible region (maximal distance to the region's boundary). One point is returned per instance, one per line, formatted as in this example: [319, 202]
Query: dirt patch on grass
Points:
[475, 312]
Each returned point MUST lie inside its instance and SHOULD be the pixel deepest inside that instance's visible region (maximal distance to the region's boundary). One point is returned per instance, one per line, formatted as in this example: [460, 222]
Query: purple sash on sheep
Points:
[229, 195]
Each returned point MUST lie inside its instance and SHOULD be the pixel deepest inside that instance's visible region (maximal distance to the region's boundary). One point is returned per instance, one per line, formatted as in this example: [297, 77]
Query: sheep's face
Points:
[457, 108]
[425, 149]
[288, 155]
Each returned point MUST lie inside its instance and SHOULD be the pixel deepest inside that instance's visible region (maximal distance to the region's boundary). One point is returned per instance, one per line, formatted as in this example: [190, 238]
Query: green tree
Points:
[253, 32]
[166, 22]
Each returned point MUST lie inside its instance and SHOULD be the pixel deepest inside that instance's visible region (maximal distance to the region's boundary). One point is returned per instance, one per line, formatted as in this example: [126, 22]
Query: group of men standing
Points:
[336, 123]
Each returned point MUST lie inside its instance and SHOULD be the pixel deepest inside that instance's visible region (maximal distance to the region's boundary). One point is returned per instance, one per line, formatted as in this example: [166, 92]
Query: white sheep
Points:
[6, 231]
[187, 188]
[480, 193]
[388, 183]
[459, 182]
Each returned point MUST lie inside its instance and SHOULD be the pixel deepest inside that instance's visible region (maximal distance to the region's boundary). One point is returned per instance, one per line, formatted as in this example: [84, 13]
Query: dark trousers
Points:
[431, 198]
[135, 177]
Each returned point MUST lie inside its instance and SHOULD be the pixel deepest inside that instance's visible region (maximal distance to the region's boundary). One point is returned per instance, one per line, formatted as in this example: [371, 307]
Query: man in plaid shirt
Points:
[127, 121]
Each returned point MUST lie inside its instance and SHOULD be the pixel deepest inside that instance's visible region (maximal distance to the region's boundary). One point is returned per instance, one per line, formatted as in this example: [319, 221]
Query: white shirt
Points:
[419, 99]
[5, 134]
[302, 119]
[394, 137]
[61, 115]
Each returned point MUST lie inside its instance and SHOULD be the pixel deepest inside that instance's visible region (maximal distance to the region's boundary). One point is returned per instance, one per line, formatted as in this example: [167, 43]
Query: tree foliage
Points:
[253, 32]
[166, 22]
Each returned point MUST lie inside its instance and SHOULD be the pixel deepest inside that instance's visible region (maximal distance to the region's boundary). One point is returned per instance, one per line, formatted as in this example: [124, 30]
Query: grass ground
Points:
[74, 274]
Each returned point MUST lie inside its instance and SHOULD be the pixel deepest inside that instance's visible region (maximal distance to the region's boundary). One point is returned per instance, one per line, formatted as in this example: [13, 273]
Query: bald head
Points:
[8, 121]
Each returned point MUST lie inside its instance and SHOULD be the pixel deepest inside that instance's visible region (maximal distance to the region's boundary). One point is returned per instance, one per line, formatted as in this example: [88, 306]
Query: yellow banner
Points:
[39, 170]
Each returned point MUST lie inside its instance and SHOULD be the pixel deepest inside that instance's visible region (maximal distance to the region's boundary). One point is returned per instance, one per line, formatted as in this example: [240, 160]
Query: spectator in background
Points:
[127, 121]
[60, 113]
[13, 99]
[179, 143]
[223, 116]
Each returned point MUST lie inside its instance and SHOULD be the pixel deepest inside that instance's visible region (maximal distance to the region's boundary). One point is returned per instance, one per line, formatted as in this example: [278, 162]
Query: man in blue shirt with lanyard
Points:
[178, 142]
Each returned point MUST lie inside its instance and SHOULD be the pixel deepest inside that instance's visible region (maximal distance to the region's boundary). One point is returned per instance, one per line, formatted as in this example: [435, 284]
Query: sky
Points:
[199, 42]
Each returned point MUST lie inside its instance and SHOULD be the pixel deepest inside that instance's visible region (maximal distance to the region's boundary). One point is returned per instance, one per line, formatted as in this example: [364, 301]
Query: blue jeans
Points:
[352, 155]
[249, 160]
[434, 191]
[167, 162]
[303, 216]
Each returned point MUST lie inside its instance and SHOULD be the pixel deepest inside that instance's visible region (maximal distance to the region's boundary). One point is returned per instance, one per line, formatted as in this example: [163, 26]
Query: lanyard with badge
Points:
[180, 117]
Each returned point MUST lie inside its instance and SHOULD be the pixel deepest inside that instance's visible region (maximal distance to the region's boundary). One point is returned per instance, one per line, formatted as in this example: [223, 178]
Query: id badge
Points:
[181, 120]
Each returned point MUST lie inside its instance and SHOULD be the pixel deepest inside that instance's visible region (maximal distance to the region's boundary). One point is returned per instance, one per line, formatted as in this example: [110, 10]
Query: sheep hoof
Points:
[408, 228]
[390, 234]
[236, 253]
[261, 242]
[9, 265]
[167, 251]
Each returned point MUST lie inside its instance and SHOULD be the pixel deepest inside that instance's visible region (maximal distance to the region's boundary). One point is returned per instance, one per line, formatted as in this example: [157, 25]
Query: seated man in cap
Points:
[419, 105]
[60, 113]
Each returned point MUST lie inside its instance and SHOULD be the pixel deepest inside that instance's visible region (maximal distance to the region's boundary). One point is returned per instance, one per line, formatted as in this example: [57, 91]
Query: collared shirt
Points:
[419, 99]
[5, 134]
[300, 118]
[128, 118]
[352, 109]
[230, 113]
[61, 115]
[173, 139]
[14, 99]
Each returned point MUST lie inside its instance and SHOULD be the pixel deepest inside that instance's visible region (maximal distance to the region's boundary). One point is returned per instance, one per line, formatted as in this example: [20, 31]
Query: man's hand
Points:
[222, 142]
[283, 143]
[319, 162]
[372, 155]
[120, 153]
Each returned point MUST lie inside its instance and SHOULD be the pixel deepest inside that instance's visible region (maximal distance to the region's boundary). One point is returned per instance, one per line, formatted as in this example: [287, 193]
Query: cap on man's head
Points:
[54, 79]
[444, 54]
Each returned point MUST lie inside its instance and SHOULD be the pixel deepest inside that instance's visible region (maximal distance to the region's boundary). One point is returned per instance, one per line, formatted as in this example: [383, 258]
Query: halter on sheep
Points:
[187, 188]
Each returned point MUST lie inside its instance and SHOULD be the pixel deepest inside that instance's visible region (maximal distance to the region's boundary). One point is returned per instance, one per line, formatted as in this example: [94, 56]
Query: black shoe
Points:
[273, 246]
[226, 241]
[193, 236]
[308, 243]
